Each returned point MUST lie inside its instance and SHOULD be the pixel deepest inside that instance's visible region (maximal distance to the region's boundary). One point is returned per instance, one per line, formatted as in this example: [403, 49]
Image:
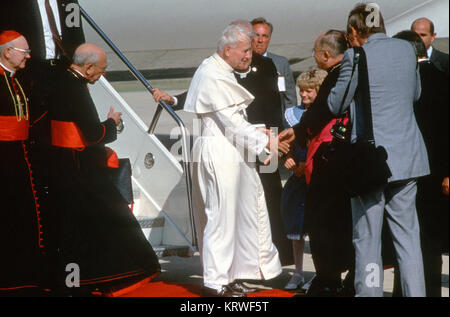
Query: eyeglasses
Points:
[313, 52]
[23, 51]
[103, 69]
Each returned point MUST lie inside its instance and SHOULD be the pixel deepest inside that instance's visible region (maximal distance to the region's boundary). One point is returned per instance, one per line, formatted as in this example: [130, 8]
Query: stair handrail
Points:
[162, 105]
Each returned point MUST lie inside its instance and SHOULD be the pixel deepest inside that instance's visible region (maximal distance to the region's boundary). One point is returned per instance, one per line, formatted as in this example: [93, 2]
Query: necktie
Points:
[54, 29]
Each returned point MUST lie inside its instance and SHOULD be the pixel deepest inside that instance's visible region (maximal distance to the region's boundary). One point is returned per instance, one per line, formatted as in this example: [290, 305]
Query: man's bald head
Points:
[91, 61]
[425, 28]
[426, 22]
[88, 53]
[329, 48]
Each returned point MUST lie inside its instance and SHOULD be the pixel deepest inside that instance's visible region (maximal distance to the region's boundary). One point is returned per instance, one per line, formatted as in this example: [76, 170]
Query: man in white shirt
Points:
[231, 215]
[38, 20]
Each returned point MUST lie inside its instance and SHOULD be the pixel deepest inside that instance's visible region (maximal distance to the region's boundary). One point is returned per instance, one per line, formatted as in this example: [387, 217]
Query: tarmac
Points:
[187, 270]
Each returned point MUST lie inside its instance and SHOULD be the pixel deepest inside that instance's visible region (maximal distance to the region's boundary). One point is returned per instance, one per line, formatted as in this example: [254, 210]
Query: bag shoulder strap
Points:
[355, 62]
[364, 93]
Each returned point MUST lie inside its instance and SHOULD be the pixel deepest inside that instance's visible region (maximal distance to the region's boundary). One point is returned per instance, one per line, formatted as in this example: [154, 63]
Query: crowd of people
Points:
[63, 209]
[346, 234]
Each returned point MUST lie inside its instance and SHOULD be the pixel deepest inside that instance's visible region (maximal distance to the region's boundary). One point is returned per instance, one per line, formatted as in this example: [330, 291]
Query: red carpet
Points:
[162, 289]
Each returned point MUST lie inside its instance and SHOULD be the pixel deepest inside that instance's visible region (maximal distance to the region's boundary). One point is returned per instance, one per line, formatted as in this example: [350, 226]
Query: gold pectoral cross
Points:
[21, 108]
[20, 105]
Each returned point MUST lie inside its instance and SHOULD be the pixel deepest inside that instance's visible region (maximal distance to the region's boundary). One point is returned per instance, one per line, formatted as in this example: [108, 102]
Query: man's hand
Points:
[445, 186]
[272, 145]
[159, 95]
[290, 163]
[284, 139]
[114, 115]
[286, 135]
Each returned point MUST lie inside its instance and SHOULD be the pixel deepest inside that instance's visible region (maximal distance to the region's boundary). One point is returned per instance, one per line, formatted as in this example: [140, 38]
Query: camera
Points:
[339, 130]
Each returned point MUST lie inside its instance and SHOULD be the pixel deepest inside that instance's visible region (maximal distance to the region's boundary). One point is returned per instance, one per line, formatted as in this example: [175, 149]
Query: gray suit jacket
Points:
[394, 82]
[288, 98]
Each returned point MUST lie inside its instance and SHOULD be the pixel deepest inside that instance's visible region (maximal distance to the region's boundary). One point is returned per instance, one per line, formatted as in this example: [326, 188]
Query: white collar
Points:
[429, 51]
[243, 74]
[12, 72]
[81, 74]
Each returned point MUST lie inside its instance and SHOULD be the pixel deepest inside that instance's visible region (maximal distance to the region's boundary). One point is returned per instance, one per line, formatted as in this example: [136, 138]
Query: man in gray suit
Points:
[286, 85]
[425, 29]
[394, 85]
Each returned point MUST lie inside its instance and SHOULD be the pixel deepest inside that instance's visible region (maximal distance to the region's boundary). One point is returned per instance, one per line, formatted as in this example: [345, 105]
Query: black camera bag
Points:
[361, 166]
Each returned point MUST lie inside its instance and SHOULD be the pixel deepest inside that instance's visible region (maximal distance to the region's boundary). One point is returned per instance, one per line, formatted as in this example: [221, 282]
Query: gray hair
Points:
[3, 47]
[232, 35]
[6, 45]
[84, 57]
[335, 41]
[245, 24]
[262, 20]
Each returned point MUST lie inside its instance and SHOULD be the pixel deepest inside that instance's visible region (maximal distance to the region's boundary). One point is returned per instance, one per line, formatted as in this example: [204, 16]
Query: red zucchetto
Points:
[8, 36]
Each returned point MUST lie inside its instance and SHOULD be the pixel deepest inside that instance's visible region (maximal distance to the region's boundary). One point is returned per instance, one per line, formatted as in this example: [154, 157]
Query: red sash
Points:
[111, 158]
[67, 135]
[13, 130]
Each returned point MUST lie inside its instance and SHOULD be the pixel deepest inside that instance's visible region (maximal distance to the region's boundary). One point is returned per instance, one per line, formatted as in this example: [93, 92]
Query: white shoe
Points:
[297, 280]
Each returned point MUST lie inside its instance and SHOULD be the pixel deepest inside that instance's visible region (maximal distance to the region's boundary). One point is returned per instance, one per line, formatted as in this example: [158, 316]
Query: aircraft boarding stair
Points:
[161, 184]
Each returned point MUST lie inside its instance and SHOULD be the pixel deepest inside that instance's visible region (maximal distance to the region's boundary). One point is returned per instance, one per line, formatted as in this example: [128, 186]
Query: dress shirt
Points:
[429, 51]
[49, 42]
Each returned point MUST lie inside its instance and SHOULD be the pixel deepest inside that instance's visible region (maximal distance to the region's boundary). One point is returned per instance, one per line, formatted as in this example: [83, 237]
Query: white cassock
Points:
[231, 216]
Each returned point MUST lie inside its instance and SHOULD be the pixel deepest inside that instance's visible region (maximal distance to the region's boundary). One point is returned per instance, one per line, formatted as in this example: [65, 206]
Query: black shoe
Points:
[325, 291]
[241, 288]
[225, 291]
[300, 293]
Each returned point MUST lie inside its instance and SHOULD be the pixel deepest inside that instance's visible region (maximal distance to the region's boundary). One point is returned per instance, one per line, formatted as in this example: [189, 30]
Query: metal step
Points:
[150, 222]
[172, 250]
[163, 250]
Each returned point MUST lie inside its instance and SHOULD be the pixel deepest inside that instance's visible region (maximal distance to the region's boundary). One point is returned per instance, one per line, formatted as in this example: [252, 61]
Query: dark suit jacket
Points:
[431, 112]
[181, 100]
[24, 17]
[262, 83]
[440, 60]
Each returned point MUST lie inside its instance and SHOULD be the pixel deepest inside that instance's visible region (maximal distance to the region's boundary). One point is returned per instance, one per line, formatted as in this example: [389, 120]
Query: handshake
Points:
[279, 144]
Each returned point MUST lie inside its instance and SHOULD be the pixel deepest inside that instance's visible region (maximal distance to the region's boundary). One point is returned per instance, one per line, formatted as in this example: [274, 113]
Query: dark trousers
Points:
[328, 222]
[330, 236]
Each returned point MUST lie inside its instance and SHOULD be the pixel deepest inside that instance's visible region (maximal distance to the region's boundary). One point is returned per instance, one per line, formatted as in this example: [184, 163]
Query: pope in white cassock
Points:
[231, 216]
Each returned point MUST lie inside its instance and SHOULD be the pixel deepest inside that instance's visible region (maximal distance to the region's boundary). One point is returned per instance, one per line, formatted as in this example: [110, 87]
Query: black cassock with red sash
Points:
[91, 223]
[21, 231]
